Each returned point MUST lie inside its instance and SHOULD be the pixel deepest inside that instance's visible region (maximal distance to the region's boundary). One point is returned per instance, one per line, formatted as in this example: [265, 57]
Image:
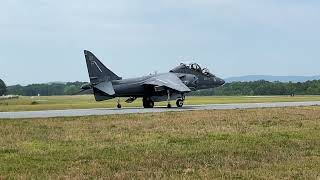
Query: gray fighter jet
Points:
[173, 85]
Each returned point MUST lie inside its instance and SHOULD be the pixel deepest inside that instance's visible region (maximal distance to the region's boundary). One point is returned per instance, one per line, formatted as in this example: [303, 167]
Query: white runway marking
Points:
[99, 112]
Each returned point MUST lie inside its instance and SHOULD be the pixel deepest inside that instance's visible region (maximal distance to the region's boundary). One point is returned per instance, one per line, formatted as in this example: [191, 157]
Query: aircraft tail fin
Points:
[98, 72]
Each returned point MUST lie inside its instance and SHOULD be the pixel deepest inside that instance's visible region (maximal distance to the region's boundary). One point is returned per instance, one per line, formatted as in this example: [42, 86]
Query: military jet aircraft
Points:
[173, 85]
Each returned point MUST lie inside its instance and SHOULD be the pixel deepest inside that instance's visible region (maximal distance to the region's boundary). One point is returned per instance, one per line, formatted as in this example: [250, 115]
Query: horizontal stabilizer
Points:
[106, 87]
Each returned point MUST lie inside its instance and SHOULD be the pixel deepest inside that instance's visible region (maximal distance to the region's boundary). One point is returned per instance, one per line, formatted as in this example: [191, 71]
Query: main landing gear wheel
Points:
[148, 103]
[179, 103]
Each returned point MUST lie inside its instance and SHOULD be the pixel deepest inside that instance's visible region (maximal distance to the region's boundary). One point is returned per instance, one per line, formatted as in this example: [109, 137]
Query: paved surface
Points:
[90, 112]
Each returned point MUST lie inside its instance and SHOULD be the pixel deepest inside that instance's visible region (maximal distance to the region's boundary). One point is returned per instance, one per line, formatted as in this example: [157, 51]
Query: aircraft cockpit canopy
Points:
[195, 67]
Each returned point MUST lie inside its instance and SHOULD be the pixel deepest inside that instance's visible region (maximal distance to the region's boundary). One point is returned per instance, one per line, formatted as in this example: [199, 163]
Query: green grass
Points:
[87, 101]
[278, 143]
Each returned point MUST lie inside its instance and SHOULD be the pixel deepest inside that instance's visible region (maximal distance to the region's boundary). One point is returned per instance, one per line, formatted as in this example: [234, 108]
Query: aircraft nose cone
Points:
[221, 82]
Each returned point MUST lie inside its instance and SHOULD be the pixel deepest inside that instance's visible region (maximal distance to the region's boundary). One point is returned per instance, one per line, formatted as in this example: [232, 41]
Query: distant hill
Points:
[272, 78]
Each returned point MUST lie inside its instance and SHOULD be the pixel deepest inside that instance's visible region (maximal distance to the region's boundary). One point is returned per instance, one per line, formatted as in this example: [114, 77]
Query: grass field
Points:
[276, 143]
[87, 101]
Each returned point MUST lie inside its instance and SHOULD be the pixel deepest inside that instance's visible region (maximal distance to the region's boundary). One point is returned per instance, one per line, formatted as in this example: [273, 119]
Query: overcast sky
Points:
[43, 40]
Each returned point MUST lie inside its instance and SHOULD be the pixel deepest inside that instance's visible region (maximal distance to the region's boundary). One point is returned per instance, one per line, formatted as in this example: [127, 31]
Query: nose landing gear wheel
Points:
[169, 106]
[179, 103]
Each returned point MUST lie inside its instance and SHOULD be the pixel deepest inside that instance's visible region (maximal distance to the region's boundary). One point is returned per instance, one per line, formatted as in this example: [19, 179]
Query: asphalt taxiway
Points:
[107, 111]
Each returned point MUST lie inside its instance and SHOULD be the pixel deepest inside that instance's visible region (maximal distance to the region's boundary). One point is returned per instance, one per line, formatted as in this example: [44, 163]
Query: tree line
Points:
[263, 88]
[51, 89]
[256, 88]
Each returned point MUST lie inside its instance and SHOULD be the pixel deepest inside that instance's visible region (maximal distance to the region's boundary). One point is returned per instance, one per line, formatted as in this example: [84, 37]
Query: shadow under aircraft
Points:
[170, 86]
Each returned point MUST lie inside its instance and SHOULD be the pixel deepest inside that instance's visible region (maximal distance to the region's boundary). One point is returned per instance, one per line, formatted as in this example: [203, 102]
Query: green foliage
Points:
[46, 89]
[257, 88]
[263, 88]
[72, 89]
[3, 88]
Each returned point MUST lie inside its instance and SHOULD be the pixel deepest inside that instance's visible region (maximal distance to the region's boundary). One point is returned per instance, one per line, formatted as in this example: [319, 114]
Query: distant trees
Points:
[46, 89]
[72, 89]
[257, 88]
[3, 88]
[262, 88]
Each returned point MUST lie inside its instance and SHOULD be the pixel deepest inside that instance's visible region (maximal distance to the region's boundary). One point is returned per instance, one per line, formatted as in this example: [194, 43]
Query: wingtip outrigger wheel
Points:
[118, 105]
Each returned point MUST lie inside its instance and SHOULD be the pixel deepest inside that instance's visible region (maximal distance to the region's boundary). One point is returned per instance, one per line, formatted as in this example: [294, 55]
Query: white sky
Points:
[43, 40]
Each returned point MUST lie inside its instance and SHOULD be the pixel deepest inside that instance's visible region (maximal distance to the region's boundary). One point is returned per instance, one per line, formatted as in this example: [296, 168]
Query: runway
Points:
[102, 111]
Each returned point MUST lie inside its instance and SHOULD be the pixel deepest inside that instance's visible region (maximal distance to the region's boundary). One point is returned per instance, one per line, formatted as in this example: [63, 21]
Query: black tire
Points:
[151, 104]
[179, 103]
[144, 101]
[148, 103]
[119, 106]
[169, 106]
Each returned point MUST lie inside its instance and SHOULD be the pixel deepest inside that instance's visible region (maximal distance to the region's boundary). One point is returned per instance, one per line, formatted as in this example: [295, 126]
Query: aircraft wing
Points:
[168, 80]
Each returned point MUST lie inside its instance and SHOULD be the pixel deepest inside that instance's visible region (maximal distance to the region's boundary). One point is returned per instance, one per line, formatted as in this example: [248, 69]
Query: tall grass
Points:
[279, 143]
